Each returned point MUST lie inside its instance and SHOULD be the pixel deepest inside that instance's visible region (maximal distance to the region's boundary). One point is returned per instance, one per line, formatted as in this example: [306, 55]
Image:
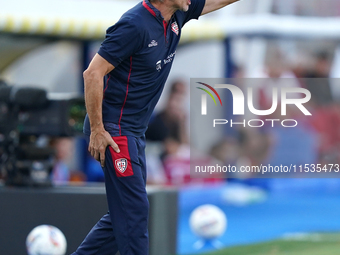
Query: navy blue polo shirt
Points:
[141, 46]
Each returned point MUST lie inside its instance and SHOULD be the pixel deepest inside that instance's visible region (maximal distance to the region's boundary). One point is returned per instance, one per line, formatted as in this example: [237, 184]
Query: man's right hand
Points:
[93, 81]
[99, 140]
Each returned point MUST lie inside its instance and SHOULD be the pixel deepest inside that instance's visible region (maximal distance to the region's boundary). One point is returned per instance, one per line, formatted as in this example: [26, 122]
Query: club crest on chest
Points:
[174, 28]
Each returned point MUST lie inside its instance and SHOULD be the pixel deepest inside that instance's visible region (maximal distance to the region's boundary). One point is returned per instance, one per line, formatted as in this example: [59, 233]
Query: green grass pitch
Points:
[312, 244]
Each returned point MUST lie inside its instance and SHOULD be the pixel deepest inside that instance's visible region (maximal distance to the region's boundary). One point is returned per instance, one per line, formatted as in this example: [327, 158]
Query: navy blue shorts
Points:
[125, 227]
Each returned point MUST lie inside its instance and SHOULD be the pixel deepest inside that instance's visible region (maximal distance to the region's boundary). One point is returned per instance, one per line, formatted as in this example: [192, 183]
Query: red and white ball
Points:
[208, 221]
[46, 240]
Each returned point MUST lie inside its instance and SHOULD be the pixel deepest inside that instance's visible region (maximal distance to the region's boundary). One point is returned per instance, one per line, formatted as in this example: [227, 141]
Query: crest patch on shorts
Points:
[121, 164]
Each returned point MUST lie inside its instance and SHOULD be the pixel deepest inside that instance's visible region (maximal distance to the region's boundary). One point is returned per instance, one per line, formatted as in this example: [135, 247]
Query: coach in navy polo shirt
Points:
[134, 61]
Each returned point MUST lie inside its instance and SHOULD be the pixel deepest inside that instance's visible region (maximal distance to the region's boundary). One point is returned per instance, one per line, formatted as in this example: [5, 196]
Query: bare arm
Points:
[93, 80]
[213, 5]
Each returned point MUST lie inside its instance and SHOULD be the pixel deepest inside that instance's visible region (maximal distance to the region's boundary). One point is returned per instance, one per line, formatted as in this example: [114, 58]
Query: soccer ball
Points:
[208, 221]
[46, 240]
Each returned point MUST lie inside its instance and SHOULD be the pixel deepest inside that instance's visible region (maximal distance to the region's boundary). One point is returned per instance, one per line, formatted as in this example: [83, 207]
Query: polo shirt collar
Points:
[154, 11]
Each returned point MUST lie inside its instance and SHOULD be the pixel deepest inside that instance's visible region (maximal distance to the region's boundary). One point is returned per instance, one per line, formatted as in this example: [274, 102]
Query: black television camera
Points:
[29, 117]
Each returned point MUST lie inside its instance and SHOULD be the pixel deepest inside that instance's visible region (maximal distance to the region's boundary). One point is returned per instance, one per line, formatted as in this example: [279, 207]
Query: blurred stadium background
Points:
[47, 44]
